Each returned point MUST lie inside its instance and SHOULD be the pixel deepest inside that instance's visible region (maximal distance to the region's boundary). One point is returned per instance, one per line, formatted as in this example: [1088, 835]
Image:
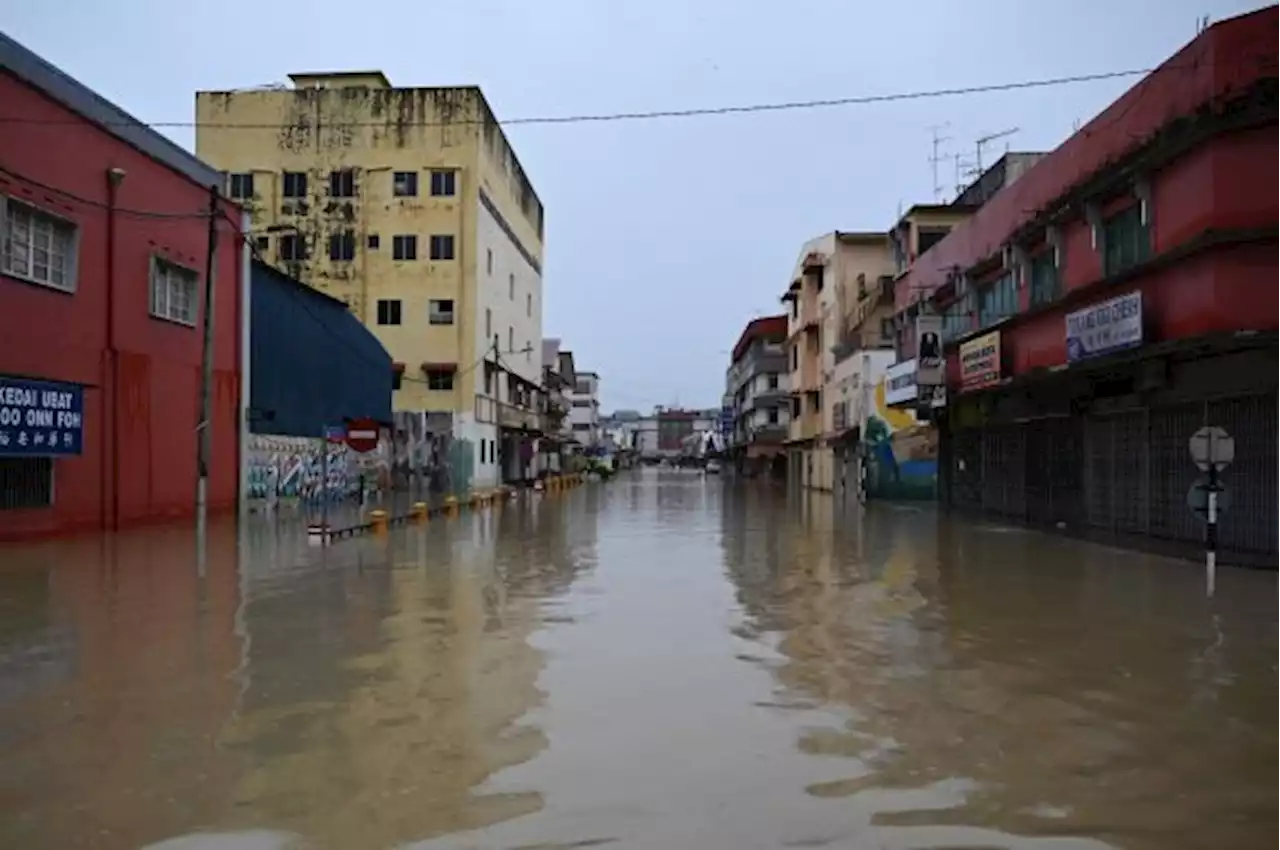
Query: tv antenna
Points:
[983, 141]
[934, 158]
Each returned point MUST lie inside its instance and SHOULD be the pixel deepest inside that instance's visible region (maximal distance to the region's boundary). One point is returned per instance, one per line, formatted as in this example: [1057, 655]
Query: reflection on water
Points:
[664, 661]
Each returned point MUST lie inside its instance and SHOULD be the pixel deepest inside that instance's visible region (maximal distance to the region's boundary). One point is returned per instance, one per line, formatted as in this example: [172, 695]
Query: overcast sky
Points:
[663, 237]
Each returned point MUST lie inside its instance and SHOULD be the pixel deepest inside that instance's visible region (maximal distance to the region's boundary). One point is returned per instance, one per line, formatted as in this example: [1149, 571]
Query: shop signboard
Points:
[41, 418]
[1104, 328]
[980, 362]
[900, 383]
[931, 365]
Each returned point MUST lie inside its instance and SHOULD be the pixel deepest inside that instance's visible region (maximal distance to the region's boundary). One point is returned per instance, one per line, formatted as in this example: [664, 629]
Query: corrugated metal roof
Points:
[313, 363]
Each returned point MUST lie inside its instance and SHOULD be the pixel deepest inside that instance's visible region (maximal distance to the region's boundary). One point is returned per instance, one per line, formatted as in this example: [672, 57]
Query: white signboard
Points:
[900, 383]
[930, 362]
[1103, 328]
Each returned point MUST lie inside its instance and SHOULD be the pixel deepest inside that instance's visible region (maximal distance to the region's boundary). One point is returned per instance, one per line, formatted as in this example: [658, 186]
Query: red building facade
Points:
[125, 211]
[1118, 296]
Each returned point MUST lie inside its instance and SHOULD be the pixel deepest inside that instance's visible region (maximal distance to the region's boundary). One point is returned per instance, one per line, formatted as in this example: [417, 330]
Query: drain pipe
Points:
[110, 446]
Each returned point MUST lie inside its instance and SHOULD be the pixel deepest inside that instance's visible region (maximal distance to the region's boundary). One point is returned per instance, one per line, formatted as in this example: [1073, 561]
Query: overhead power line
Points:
[589, 118]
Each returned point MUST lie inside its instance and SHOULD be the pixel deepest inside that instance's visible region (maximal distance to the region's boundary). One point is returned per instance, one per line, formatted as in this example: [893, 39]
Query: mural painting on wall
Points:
[292, 469]
[426, 458]
[902, 454]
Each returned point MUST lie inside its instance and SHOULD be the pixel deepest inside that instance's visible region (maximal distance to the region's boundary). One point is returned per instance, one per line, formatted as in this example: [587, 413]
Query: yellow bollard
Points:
[419, 511]
[379, 519]
[451, 506]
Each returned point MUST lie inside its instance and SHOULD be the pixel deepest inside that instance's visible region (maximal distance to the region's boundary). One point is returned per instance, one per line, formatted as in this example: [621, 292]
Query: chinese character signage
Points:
[40, 418]
[980, 362]
[931, 369]
[1103, 328]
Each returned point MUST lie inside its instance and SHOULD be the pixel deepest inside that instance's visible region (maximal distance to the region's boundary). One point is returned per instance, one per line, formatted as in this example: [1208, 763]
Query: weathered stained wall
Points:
[376, 132]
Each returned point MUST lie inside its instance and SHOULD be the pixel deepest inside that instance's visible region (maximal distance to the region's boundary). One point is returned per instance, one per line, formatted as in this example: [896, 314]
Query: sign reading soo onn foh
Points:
[40, 418]
[980, 362]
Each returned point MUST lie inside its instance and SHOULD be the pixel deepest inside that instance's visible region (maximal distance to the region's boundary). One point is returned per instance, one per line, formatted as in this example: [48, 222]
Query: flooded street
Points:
[663, 661]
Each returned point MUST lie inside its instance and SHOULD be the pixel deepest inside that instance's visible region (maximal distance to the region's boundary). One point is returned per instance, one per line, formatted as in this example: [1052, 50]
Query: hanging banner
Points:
[980, 362]
[900, 383]
[931, 368]
[1104, 328]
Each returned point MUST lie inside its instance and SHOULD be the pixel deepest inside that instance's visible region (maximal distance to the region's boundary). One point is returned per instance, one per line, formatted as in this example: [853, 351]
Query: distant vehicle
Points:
[713, 467]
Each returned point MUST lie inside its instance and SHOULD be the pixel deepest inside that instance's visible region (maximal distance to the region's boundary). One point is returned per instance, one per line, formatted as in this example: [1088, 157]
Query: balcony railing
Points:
[522, 418]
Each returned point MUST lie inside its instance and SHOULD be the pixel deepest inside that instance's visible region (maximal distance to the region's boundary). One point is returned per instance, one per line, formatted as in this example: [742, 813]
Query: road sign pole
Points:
[324, 487]
[1211, 535]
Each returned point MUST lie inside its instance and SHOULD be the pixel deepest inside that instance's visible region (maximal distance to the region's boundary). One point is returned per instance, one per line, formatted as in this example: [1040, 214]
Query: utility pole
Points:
[204, 436]
[934, 158]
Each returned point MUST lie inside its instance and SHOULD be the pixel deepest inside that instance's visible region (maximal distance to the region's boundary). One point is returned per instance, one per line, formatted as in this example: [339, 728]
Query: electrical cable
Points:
[595, 118]
[103, 205]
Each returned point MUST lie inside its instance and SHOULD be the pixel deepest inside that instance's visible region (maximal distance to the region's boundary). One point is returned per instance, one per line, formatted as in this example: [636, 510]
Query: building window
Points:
[25, 483]
[404, 247]
[439, 379]
[342, 246]
[388, 311]
[511, 287]
[240, 186]
[372, 242]
[397, 380]
[957, 318]
[173, 292]
[404, 184]
[795, 357]
[342, 183]
[1126, 241]
[261, 244]
[442, 247]
[528, 305]
[292, 247]
[772, 380]
[997, 301]
[295, 184]
[488, 323]
[488, 261]
[38, 247]
[441, 310]
[1044, 278]
[443, 184]
[772, 415]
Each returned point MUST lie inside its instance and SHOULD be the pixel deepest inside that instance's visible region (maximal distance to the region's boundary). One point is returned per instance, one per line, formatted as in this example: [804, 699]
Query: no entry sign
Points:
[362, 435]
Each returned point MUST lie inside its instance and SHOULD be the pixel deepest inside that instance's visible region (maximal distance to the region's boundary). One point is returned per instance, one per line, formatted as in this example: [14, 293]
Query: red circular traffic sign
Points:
[362, 435]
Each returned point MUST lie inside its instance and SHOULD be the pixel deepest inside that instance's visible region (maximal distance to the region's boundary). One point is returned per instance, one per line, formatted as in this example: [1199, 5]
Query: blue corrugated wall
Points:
[313, 363]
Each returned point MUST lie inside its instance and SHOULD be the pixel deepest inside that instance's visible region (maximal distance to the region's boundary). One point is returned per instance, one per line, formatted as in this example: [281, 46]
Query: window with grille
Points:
[240, 186]
[295, 184]
[404, 247]
[38, 247]
[443, 184]
[404, 184]
[292, 247]
[174, 292]
[388, 311]
[442, 247]
[25, 483]
[439, 379]
[342, 184]
[441, 311]
[342, 246]
[1126, 241]
[1044, 278]
[997, 301]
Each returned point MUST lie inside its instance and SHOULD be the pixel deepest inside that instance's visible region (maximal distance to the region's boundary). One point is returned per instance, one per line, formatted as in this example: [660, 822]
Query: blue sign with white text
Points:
[40, 418]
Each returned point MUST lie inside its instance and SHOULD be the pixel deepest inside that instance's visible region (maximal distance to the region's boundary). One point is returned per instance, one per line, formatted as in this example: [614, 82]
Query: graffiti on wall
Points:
[293, 468]
[426, 458]
[902, 454]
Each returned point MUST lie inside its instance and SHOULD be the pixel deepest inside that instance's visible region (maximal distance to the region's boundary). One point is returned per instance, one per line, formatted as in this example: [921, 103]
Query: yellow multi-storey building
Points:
[410, 205]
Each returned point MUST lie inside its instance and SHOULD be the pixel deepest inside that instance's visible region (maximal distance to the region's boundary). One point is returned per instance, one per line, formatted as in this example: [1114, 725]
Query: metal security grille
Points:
[1054, 470]
[1250, 523]
[26, 482]
[1003, 468]
[965, 469]
[1172, 472]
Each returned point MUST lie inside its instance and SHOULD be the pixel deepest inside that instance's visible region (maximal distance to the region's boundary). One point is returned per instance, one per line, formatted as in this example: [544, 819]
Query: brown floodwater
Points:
[663, 661]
